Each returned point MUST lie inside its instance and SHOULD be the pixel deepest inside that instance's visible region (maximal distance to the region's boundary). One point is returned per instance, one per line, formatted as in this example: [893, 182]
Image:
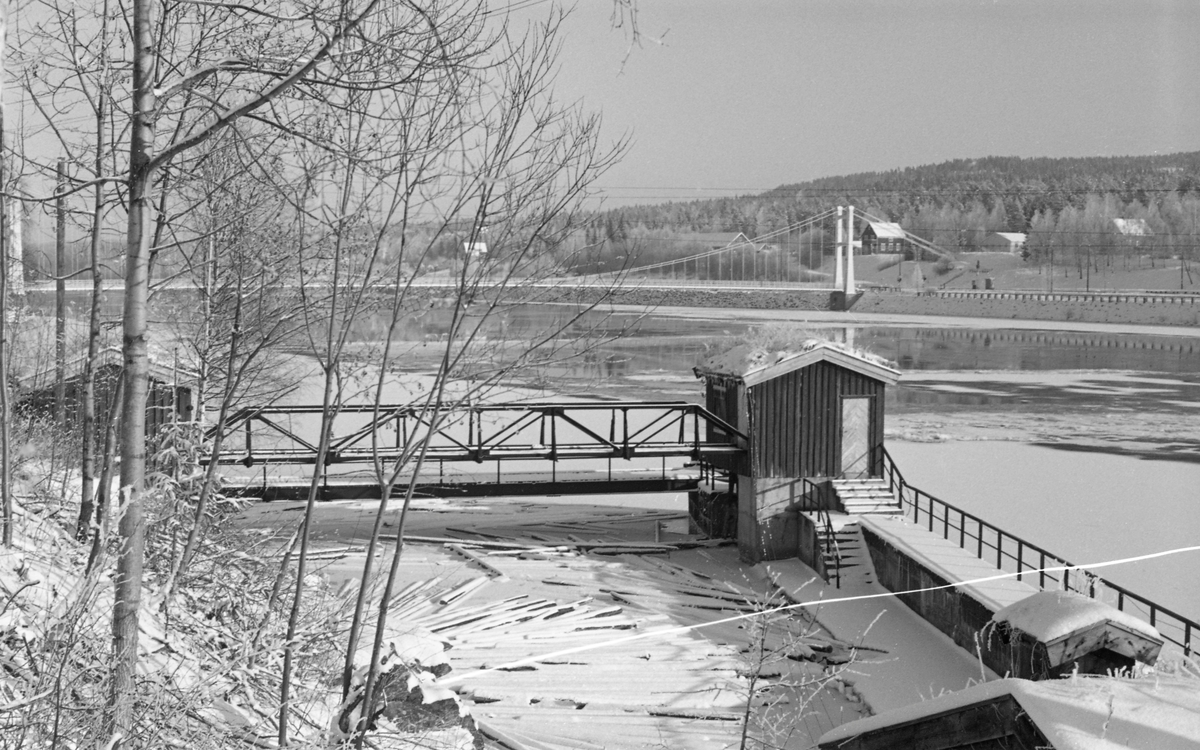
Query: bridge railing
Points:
[451, 432]
[1029, 562]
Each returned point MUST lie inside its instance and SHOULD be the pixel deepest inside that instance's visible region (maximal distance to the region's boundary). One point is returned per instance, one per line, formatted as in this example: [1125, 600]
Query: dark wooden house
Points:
[170, 398]
[884, 237]
[814, 414]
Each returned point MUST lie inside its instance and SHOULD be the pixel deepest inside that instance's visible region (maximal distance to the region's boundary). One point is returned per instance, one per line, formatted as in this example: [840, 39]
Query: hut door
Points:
[856, 437]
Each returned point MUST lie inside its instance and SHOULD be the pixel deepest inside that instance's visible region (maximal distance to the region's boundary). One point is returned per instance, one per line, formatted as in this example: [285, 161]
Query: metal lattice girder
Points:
[544, 431]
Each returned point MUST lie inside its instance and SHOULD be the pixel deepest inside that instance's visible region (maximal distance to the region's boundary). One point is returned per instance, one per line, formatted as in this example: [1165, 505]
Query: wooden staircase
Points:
[868, 495]
[843, 550]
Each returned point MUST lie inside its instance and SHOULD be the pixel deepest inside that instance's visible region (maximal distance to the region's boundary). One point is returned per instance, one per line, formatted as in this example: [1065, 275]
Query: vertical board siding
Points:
[796, 420]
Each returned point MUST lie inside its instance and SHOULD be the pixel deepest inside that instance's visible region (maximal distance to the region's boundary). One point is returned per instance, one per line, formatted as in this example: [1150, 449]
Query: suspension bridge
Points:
[773, 258]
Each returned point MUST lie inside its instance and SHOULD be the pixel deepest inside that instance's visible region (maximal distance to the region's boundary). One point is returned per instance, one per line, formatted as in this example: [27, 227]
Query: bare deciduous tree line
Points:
[301, 163]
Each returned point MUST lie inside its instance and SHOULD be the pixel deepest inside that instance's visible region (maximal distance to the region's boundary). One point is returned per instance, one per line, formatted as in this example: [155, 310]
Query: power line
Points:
[452, 678]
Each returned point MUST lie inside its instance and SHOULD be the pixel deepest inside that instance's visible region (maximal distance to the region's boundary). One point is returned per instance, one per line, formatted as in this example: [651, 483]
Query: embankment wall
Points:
[750, 299]
[754, 299]
[1134, 309]
[950, 610]
[1126, 308]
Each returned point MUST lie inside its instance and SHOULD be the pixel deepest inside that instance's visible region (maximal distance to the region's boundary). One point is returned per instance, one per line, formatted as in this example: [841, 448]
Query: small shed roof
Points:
[1049, 615]
[1077, 713]
[753, 365]
[885, 230]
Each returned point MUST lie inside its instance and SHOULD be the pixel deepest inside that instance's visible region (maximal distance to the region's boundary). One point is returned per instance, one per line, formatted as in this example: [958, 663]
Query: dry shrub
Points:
[210, 666]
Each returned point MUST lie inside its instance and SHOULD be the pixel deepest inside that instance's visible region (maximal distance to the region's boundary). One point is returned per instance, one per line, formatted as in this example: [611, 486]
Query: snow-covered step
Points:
[849, 559]
[871, 495]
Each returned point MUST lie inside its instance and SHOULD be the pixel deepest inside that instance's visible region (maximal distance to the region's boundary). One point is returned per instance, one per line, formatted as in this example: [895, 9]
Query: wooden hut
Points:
[170, 397]
[813, 414]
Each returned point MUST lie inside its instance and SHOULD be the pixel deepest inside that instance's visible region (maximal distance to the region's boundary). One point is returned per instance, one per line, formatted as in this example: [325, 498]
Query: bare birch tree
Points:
[398, 125]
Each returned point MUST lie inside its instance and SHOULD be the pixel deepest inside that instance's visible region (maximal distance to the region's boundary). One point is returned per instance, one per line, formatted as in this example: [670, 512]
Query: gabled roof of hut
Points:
[887, 230]
[1075, 713]
[753, 365]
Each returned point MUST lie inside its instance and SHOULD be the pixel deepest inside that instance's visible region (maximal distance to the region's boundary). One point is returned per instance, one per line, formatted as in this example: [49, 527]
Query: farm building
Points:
[810, 415]
[1004, 242]
[883, 237]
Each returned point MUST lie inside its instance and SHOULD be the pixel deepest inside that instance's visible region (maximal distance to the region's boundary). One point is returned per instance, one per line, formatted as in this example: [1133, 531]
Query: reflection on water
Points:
[626, 348]
[970, 349]
[621, 347]
[667, 343]
[1165, 395]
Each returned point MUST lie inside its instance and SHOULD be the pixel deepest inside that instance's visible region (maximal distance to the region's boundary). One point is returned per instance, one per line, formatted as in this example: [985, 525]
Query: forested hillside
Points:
[1064, 204]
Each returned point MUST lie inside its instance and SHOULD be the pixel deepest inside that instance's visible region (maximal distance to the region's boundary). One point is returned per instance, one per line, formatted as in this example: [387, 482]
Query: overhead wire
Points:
[452, 678]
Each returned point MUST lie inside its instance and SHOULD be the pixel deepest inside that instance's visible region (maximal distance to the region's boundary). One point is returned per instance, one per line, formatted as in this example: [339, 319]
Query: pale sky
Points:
[745, 95]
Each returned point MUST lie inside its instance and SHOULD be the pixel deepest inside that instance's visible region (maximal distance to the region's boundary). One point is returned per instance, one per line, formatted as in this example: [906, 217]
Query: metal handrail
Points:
[826, 522]
[1027, 559]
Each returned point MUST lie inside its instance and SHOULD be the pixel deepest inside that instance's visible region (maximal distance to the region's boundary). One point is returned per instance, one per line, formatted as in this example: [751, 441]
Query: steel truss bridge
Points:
[540, 448]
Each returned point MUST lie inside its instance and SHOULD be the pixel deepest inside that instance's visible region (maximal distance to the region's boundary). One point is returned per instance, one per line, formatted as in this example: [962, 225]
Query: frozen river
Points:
[1086, 506]
[1085, 442]
[1095, 451]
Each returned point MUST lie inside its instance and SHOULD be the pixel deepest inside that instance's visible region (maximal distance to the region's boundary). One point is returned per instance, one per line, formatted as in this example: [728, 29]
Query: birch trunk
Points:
[132, 530]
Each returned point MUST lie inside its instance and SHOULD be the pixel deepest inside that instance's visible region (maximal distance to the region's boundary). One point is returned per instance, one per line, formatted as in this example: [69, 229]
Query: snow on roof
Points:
[943, 704]
[887, 230]
[1086, 713]
[1017, 237]
[754, 364]
[1153, 712]
[1050, 615]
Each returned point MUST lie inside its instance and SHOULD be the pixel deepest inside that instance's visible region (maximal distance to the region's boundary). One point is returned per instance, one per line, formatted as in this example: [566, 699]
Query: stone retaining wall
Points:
[952, 611]
[751, 299]
[1134, 309]
[757, 299]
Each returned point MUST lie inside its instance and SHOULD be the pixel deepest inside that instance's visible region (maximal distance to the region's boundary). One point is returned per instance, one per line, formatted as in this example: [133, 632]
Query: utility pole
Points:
[1051, 278]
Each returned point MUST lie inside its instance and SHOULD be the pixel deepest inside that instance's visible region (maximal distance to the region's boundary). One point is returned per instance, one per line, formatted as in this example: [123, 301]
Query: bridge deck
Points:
[536, 448]
[478, 484]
